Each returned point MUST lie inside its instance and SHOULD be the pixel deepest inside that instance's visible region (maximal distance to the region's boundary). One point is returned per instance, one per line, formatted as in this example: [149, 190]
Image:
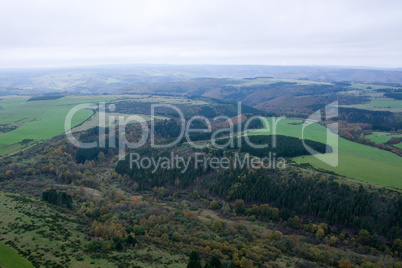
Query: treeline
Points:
[227, 109]
[165, 131]
[52, 97]
[168, 129]
[284, 147]
[379, 212]
[92, 135]
[195, 261]
[60, 198]
[383, 90]
[393, 95]
[296, 89]
[327, 200]
[145, 108]
[380, 120]
[177, 174]
[210, 110]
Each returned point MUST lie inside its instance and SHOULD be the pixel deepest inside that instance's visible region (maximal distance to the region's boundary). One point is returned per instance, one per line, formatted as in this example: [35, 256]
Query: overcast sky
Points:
[47, 33]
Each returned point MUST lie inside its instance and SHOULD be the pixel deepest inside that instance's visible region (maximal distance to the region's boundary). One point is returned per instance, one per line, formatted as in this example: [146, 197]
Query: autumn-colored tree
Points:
[240, 206]
[30, 171]
[104, 211]
[320, 233]
[276, 235]
[44, 169]
[10, 174]
[218, 225]
[214, 205]
[344, 263]
[235, 258]
[333, 240]
[294, 222]
[245, 263]
[68, 177]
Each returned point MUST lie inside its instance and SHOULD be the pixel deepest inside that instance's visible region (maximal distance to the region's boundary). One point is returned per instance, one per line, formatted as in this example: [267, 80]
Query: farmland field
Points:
[382, 104]
[355, 160]
[364, 86]
[62, 205]
[38, 120]
[382, 137]
[260, 80]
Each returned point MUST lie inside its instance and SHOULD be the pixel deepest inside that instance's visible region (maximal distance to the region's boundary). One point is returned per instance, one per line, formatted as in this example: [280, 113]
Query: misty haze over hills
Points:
[109, 78]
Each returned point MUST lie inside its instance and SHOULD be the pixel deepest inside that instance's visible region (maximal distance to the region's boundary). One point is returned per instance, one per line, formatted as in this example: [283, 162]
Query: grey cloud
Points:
[59, 33]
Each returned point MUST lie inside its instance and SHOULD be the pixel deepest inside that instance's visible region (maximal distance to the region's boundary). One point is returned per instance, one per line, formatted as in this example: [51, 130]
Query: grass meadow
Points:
[38, 120]
[382, 137]
[394, 106]
[356, 160]
[9, 258]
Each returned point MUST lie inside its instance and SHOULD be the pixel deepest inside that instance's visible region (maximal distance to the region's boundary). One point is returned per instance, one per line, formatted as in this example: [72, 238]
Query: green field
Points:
[399, 145]
[372, 86]
[259, 81]
[382, 104]
[163, 99]
[355, 160]
[9, 258]
[382, 137]
[112, 80]
[32, 121]
[38, 120]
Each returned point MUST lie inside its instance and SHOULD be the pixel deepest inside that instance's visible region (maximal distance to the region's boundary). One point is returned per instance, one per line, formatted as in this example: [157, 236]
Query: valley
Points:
[67, 206]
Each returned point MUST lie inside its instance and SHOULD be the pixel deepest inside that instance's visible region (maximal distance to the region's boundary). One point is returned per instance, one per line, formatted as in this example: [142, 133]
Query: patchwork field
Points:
[370, 87]
[383, 104]
[162, 99]
[23, 122]
[27, 121]
[382, 137]
[261, 80]
[355, 160]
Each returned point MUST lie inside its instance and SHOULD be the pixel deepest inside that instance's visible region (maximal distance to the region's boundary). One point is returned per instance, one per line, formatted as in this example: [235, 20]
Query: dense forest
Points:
[380, 120]
[329, 201]
[105, 212]
[282, 146]
[394, 95]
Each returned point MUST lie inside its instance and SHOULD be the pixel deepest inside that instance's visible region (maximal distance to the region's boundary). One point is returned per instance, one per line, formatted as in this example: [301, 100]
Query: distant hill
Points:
[108, 79]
